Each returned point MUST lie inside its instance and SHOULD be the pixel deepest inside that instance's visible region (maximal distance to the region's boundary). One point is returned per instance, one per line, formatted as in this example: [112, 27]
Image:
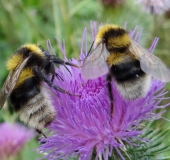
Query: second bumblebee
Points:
[121, 58]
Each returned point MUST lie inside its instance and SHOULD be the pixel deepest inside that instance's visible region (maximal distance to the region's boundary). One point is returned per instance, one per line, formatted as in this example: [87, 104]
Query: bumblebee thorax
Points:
[122, 41]
[35, 52]
[115, 38]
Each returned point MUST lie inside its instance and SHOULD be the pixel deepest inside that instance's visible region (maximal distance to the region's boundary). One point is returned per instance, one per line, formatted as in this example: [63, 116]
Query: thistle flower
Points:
[83, 126]
[155, 6]
[12, 138]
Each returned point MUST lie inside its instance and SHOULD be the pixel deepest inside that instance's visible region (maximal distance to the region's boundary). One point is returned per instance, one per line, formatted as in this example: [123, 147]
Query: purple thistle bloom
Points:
[83, 125]
[12, 138]
[155, 6]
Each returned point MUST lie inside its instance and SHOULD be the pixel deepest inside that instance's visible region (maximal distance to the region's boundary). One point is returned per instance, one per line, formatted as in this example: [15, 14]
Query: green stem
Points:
[57, 18]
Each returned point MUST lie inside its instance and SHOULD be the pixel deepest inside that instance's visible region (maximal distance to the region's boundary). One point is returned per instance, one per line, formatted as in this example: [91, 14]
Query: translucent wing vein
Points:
[150, 63]
[95, 64]
[11, 82]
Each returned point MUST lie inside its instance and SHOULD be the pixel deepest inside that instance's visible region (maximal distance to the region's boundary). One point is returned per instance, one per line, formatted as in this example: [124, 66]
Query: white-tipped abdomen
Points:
[39, 110]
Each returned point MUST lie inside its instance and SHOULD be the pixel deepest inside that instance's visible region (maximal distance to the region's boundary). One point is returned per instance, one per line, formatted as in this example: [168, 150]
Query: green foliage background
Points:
[30, 21]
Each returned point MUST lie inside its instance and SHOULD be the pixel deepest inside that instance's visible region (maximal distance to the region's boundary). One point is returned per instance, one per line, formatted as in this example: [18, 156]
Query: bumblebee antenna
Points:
[88, 52]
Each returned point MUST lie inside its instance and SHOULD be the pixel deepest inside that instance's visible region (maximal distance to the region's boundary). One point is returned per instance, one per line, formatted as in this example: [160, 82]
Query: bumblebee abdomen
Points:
[123, 72]
[135, 88]
[131, 81]
[38, 111]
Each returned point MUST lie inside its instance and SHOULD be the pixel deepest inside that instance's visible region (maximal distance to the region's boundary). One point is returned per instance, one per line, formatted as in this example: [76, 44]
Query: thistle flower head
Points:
[12, 138]
[83, 125]
[155, 6]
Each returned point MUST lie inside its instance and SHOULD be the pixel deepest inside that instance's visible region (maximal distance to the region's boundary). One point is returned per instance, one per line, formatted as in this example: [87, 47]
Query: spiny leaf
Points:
[145, 150]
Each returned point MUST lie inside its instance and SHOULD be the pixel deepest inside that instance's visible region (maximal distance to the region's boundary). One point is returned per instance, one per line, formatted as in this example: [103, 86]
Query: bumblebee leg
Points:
[58, 76]
[109, 86]
[51, 69]
[46, 79]
[67, 69]
[40, 132]
[62, 62]
[53, 73]
[52, 78]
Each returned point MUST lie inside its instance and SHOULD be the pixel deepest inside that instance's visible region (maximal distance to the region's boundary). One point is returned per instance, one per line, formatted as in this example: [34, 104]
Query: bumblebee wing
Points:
[95, 64]
[11, 82]
[150, 63]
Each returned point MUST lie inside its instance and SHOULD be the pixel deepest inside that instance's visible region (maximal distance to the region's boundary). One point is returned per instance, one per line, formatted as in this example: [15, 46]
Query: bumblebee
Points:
[30, 66]
[124, 60]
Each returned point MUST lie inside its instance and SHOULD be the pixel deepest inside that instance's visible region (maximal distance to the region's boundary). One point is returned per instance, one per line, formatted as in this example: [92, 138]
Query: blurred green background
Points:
[30, 21]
